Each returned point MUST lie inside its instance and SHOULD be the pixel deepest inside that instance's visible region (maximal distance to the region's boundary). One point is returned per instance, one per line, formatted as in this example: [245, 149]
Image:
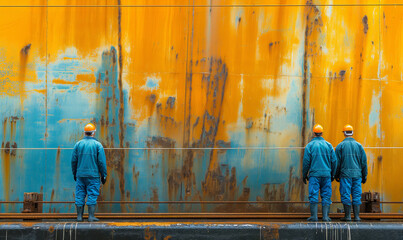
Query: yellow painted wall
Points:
[242, 73]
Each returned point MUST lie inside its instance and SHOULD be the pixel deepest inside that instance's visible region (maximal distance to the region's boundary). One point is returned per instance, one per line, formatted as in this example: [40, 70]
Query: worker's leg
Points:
[93, 193]
[326, 195]
[313, 198]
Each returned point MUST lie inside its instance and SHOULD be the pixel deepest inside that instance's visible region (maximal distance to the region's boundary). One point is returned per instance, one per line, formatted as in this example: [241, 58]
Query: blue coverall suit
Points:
[351, 170]
[319, 164]
[87, 163]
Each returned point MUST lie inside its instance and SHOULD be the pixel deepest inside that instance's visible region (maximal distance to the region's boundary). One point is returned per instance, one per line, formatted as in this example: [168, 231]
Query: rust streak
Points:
[5, 156]
[22, 72]
[121, 106]
[187, 167]
[313, 23]
[216, 80]
[57, 168]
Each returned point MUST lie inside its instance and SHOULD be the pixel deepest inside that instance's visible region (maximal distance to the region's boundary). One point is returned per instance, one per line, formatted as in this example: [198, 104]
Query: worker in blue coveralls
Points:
[319, 167]
[88, 164]
[351, 172]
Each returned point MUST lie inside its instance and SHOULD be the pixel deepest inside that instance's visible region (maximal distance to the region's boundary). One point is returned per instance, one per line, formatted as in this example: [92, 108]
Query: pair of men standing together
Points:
[321, 165]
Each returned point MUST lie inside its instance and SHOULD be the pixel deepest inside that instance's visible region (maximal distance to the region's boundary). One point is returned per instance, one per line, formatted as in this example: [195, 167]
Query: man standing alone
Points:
[319, 165]
[88, 163]
[351, 172]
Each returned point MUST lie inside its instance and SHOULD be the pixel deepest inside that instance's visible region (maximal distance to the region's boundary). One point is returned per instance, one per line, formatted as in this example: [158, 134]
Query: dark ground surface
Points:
[200, 229]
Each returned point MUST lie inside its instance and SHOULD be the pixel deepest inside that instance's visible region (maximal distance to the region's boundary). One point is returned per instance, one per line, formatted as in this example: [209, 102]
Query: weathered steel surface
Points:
[200, 230]
[199, 74]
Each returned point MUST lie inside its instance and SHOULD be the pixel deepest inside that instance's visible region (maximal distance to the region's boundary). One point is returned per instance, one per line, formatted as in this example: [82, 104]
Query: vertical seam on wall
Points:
[380, 91]
[46, 85]
[186, 81]
[190, 71]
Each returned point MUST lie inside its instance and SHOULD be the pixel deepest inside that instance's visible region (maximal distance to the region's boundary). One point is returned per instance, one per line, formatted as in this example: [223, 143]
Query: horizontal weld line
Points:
[181, 202]
[220, 6]
[246, 148]
[158, 148]
[191, 202]
[199, 215]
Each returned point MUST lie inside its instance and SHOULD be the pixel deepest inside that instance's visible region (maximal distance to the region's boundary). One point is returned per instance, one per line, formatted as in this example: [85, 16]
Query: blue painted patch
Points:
[374, 116]
[152, 82]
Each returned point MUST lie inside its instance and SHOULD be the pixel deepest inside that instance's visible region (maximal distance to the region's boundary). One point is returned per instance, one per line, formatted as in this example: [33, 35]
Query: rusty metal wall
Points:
[249, 77]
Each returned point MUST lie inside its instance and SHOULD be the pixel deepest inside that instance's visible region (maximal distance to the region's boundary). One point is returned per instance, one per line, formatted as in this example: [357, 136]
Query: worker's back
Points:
[90, 158]
[351, 157]
[319, 158]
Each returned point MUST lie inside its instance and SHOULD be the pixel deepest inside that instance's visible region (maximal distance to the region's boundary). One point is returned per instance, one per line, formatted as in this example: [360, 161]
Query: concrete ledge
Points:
[199, 230]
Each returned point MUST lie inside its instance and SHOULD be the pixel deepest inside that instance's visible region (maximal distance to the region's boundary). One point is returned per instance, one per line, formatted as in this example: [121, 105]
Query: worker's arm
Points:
[102, 161]
[338, 164]
[333, 162]
[306, 164]
[364, 167]
[74, 161]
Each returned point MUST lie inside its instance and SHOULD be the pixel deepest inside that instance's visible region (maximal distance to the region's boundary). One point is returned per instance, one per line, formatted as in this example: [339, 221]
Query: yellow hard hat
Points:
[348, 128]
[89, 128]
[318, 128]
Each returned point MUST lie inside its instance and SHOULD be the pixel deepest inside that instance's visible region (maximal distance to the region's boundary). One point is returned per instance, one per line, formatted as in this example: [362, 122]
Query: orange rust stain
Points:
[69, 58]
[4, 129]
[52, 196]
[141, 224]
[149, 234]
[42, 91]
[90, 78]
[13, 123]
[167, 237]
[154, 198]
[135, 175]
[25, 223]
[112, 183]
[271, 232]
[57, 167]
[8, 154]
[5, 156]
[61, 81]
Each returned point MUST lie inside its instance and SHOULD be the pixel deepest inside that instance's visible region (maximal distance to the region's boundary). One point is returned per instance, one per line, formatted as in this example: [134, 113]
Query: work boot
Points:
[91, 212]
[347, 213]
[80, 212]
[356, 210]
[325, 213]
[314, 212]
